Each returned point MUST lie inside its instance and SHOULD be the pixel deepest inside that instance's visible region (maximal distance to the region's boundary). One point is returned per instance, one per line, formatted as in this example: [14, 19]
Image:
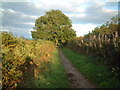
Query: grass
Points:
[56, 79]
[98, 74]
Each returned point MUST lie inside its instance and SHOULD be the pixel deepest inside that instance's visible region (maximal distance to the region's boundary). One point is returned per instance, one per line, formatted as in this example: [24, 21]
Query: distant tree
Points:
[107, 28]
[53, 26]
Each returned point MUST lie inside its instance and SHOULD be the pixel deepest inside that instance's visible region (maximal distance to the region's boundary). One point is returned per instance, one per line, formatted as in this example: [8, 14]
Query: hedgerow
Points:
[103, 43]
[23, 59]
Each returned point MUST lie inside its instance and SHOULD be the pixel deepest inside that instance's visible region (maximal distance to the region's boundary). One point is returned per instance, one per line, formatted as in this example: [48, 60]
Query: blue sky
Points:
[19, 17]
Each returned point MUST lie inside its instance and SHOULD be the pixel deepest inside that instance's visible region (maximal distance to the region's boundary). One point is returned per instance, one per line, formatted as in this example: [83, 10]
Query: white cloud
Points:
[7, 11]
[82, 29]
[23, 15]
[34, 17]
[113, 0]
[65, 5]
[2, 10]
[26, 32]
[13, 0]
[17, 19]
[2, 29]
[30, 23]
[110, 11]
[75, 15]
[11, 11]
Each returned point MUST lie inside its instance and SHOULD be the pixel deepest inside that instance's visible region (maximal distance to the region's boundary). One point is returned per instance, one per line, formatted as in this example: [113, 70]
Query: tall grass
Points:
[101, 45]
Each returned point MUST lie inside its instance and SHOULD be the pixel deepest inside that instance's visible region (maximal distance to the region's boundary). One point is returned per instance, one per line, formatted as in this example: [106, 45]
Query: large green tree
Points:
[54, 26]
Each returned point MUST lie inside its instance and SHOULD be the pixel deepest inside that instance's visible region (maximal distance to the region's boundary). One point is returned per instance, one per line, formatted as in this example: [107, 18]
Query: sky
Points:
[18, 16]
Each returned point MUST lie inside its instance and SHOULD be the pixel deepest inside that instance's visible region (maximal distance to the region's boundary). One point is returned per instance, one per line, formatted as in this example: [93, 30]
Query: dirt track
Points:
[77, 80]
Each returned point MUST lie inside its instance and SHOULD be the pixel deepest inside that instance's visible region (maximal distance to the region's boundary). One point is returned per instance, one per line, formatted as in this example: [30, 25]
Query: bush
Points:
[22, 59]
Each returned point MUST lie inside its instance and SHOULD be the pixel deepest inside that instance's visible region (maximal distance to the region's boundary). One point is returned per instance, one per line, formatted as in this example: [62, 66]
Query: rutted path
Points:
[77, 80]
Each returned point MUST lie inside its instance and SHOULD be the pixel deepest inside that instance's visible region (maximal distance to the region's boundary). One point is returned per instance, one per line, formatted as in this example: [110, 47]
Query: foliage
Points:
[107, 28]
[56, 78]
[8, 39]
[53, 26]
[103, 42]
[25, 59]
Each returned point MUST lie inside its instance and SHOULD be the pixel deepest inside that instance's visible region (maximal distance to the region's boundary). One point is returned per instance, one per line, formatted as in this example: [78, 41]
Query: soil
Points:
[76, 79]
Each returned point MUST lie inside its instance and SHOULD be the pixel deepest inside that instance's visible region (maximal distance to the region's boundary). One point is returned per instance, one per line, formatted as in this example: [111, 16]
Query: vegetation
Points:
[103, 44]
[35, 63]
[26, 62]
[53, 26]
[98, 73]
[56, 79]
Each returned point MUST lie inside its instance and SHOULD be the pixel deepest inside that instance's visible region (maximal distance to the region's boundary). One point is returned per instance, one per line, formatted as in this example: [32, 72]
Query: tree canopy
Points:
[53, 26]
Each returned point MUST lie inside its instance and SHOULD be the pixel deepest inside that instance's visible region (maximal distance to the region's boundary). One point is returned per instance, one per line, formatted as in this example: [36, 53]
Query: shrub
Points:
[22, 59]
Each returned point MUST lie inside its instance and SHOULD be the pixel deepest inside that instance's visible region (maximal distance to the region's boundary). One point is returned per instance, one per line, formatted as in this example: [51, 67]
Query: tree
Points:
[53, 26]
[109, 28]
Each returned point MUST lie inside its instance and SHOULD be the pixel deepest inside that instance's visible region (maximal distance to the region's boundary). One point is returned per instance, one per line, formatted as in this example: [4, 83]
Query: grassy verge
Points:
[98, 74]
[54, 79]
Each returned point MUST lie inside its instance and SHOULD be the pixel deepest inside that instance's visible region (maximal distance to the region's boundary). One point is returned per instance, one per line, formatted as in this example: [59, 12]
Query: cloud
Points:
[113, 0]
[20, 17]
[26, 32]
[82, 29]
[78, 11]
[13, 1]
[24, 7]
[95, 13]
[17, 19]
[29, 23]
[68, 7]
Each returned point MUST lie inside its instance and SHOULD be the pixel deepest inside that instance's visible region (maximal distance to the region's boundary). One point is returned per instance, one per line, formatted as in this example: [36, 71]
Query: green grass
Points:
[56, 79]
[98, 74]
